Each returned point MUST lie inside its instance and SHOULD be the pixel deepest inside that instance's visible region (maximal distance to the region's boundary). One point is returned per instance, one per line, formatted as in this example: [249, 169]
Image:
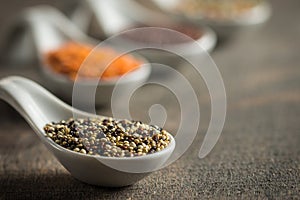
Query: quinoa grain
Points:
[108, 137]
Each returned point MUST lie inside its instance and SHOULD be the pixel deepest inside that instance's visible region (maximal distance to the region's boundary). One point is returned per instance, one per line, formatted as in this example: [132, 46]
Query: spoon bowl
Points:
[166, 53]
[158, 10]
[39, 107]
[63, 86]
[254, 16]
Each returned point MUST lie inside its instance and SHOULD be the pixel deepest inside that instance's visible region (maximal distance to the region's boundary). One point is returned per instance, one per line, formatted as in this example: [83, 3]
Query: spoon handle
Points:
[33, 102]
[43, 28]
[13, 90]
[50, 28]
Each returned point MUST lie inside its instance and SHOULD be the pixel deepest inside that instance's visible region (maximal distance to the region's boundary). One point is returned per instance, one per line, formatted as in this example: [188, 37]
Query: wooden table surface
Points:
[257, 155]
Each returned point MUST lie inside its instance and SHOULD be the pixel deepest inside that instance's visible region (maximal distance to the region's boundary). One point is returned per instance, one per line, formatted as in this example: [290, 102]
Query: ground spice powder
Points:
[68, 60]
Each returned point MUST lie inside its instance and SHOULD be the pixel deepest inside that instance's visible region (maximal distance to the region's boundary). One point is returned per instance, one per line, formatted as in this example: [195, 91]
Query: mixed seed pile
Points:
[108, 137]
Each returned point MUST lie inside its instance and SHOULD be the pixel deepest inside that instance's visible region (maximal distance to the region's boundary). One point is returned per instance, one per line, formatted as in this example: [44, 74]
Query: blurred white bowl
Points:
[62, 86]
[163, 11]
[255, 16]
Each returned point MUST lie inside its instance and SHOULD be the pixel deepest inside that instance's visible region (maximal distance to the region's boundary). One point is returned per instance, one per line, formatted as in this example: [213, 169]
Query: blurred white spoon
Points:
[49, 29]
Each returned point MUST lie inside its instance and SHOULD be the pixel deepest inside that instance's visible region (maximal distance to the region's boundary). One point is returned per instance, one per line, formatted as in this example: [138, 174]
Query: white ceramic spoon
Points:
[39, 107]
[50, 29]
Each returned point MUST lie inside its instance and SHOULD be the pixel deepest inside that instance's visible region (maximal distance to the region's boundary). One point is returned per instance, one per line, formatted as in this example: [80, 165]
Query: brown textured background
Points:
[257, 156]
